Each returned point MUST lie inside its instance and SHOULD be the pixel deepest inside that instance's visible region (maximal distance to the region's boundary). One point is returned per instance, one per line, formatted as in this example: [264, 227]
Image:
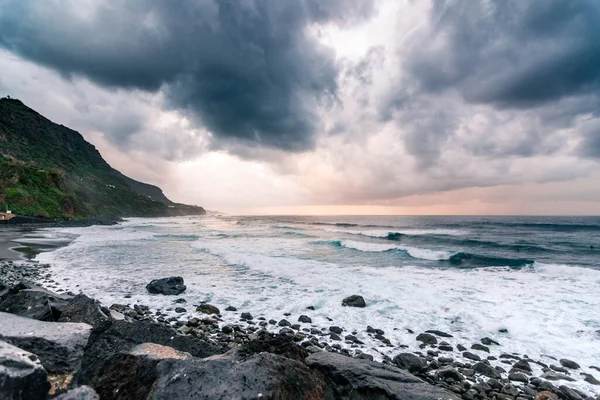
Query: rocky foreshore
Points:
[67, 346]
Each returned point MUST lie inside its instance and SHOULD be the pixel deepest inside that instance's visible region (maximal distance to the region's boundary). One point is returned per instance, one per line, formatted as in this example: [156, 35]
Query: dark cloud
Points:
[510, 53]
[250, 71]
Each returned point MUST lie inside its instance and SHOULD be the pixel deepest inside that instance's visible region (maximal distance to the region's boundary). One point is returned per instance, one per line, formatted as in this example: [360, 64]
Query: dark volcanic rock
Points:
[427, 338]
[522, 365]
[471, 356]
[568, 393]
[208, 309]
[410, 362]
[247, 316]
[555, 376]
[22, 377]
[480, 347]
[336, 329]
[488, 341]
[59, 345]
[80, 393]
[168, 286]
[31, 301]
[363, 379]
[131, 375]
[305, 319]
[231, 308]
[270, 375]
[122, 336]
[284, 322]
[354, 301]
[569, 364]
[439, 333]
[84, 309]
[449, 373]
[486, 370]
[275, 344]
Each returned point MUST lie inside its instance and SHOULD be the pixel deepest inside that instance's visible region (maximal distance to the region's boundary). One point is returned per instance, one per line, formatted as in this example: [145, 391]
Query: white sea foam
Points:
[415, 252]
[547, 308]
[381, 233]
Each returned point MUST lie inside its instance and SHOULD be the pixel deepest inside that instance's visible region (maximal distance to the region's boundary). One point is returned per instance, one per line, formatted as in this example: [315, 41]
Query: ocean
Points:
[531, 283]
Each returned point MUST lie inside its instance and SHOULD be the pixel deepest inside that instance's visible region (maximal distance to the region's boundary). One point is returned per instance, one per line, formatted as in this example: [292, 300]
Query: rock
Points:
[335, 336]
[460, 347]
[363, 379]
[410, 362]
[263, 375]
[480, 347]
[284, 322]
[568, 363]
[518, 377]
[208, 309]
[487, 341]
[231, 308]
[80, 393]
[445, 347]
[122, 336]
[130, 375]
[545, 396]
[427, 338]
[336, 329]
[510, 390]
[354, 301]
[312, 308]
[84, 309]
[305, 319]
[471, 356]
[556, 368]
[22, 376]
[494, 384]
[449, 373]
[168, 286]
[58, 345]
[554, 376]
[439, 333]
[484, 369]
[276, 344]
[591, 379]
[31, 301]
[247, 316]
[180, 301]
[522, 365]
[180, 310]
[568, 393]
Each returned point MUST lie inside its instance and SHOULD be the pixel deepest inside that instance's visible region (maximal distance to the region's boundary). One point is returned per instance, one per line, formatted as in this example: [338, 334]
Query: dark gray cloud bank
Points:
[537, 60]
[247, 70]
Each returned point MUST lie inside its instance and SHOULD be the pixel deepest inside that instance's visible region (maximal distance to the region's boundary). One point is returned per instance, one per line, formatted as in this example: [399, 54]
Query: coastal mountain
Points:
[49, 170]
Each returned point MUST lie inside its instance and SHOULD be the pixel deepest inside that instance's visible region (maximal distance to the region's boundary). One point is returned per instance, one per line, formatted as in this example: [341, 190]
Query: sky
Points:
[325, 106]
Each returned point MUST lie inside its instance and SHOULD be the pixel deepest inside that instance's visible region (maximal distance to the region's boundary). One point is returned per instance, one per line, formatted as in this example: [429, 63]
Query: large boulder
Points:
[84, 309]
[410, 362]
[263, 375]
[354, 301]
[31, 301]
[122, 336]
[168, 286]
[275, 344]
[131, 375]
[22, 376]
[59, 345]
[363, 379]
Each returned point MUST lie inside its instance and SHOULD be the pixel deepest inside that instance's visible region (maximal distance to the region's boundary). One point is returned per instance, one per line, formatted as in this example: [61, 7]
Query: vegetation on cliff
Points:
[49, 170]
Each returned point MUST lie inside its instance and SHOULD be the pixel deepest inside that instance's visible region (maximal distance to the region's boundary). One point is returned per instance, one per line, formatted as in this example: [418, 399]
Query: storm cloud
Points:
[249, 71]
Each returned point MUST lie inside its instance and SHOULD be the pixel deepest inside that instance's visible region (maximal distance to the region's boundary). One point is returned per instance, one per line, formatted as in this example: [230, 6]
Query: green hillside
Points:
[50, 170]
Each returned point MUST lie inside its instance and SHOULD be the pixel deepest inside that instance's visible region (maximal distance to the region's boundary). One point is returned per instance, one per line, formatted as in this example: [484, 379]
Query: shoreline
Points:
[437, 352]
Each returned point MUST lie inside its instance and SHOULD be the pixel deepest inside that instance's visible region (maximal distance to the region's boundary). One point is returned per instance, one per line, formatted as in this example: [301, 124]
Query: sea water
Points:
[535, 278]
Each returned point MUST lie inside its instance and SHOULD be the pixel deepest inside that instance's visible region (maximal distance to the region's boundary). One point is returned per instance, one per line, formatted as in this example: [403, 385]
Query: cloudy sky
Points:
[325, 106]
